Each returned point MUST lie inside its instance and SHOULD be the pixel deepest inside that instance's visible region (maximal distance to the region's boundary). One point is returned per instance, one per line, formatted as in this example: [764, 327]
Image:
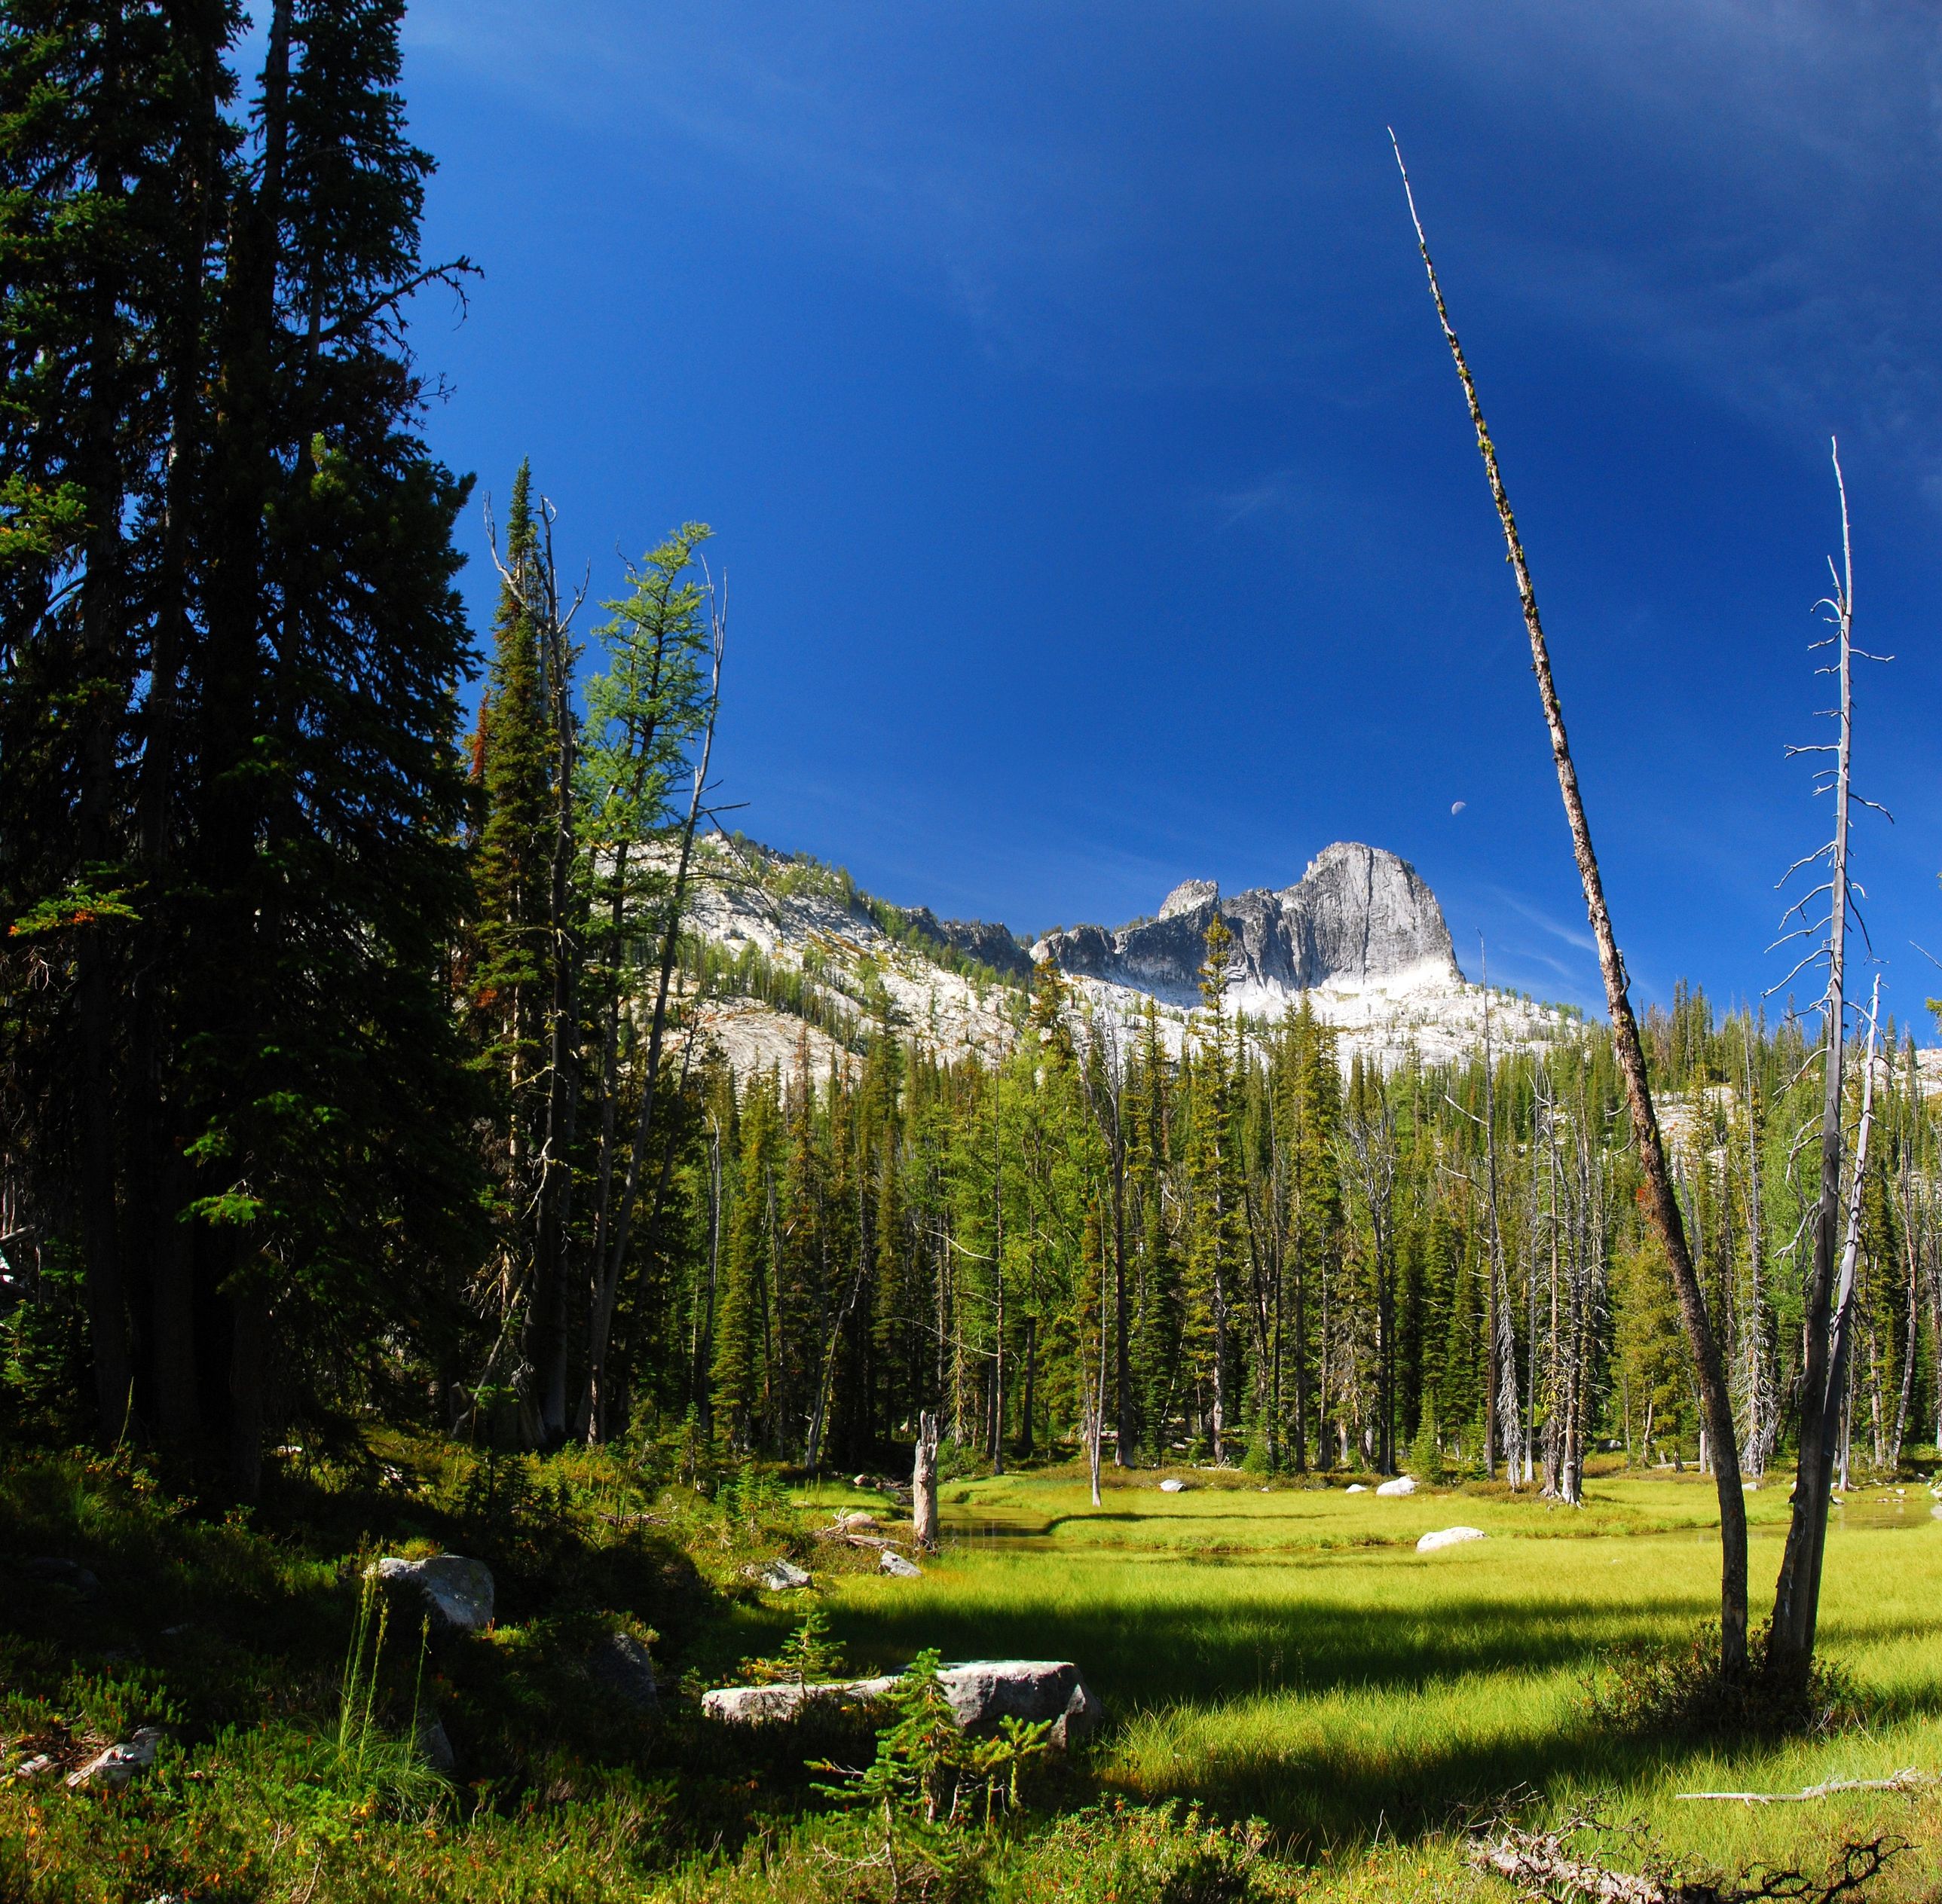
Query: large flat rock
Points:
[983, 1693]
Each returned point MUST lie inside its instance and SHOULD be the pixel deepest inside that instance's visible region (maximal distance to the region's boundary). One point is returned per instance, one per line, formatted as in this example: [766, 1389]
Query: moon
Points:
[1457, 806]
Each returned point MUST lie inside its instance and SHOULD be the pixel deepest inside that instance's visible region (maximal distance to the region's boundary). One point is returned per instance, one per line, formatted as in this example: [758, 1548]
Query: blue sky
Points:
[1099, 506]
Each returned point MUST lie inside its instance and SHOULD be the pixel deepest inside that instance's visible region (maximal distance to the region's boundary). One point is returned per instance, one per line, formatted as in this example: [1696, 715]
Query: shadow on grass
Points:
[1183, 1685]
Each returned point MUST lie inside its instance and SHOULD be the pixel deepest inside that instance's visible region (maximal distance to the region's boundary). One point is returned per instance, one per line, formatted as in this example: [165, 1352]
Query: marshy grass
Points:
[1287, 1654]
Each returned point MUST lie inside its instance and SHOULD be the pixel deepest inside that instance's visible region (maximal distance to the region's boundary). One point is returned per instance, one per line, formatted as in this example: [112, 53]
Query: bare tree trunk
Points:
[1796, 1596]
[923, 1485]
[1913, 1254]
[1502, 1416]
[998, 1275]
[1661, 1205]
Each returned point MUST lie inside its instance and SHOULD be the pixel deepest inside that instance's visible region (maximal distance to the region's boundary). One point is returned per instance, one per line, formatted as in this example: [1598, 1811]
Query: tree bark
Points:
[923, 1485]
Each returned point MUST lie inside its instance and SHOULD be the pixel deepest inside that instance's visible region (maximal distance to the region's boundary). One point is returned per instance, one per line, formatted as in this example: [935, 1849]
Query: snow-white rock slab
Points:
[1448, 1537]
[112, 1770]
[1170, 1486]
[456, 1592]
[1355, 1487]
[897, 1567]
[1402, 1484]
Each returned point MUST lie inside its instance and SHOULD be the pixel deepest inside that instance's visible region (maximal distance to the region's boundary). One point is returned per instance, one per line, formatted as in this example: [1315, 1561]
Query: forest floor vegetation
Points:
[1297, 1702]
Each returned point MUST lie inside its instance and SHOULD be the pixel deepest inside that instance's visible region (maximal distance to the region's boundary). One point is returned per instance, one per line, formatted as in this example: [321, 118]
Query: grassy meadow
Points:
[1274, 1653]
[1284, 1652]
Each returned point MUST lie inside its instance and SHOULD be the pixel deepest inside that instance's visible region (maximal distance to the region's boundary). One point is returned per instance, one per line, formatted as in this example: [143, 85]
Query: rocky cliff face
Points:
[1357, 916]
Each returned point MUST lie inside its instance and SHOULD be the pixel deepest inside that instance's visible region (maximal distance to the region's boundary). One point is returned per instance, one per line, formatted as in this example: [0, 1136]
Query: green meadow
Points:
[1297, 1703]
[1285, 1653]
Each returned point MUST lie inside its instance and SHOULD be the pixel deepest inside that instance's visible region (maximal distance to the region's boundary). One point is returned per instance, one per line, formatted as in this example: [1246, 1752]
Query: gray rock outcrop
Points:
[993, 945]
[456, 1593]
[1358, 914]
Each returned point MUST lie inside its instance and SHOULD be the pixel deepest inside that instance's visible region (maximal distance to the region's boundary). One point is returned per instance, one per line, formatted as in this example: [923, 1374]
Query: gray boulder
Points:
[456, 1592]
[897, 1567]
[435, 1746]
[111, 1770]
[768, 1705]
[52, 1571]
[984, 1691]
[981, 1693]
[1402, 1484]
[620, 1664]
[1170, 1485]
[783, 1577]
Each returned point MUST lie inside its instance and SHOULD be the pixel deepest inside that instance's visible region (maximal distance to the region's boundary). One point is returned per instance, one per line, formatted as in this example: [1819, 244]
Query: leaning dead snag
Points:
[1662, 1205]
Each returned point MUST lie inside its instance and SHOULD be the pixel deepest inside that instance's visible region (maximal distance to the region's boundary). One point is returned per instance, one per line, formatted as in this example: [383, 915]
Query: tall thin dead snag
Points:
[1662, 1203]
[1826, 1320]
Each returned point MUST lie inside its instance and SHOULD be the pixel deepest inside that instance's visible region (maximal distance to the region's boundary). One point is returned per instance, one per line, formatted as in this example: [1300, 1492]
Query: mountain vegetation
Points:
[375, 1169]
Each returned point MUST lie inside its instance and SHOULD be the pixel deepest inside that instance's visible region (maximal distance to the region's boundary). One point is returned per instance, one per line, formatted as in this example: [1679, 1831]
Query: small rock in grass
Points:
[1355, 1487]
[859, 1480]
[53, 1572]
[623, 1666]
[1402, 1484]
[783, 1577]
[435, 1747]
[897, 1567]
[456, 1592]
[1170, 1486]
[856, 1522]
[1447, 1537]
[1749, 1487]
[112, 1770]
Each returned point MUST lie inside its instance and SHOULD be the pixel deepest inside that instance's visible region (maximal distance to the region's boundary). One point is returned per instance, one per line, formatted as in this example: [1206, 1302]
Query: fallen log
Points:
[1541, 1867]
[1909, 1780]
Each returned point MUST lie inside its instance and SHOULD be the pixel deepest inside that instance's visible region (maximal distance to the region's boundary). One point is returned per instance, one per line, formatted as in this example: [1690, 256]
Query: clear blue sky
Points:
[1098, 505]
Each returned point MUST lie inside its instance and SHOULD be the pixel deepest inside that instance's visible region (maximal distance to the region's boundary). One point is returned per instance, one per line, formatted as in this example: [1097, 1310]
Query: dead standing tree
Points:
[1826, 1322]
[1661, 1203]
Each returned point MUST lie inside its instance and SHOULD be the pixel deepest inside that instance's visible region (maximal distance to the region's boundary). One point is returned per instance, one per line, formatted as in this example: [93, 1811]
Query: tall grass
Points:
[1288, 1654]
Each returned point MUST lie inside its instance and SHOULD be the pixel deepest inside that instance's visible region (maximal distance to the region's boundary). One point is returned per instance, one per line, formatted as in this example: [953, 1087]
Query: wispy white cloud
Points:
[1571, 933]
